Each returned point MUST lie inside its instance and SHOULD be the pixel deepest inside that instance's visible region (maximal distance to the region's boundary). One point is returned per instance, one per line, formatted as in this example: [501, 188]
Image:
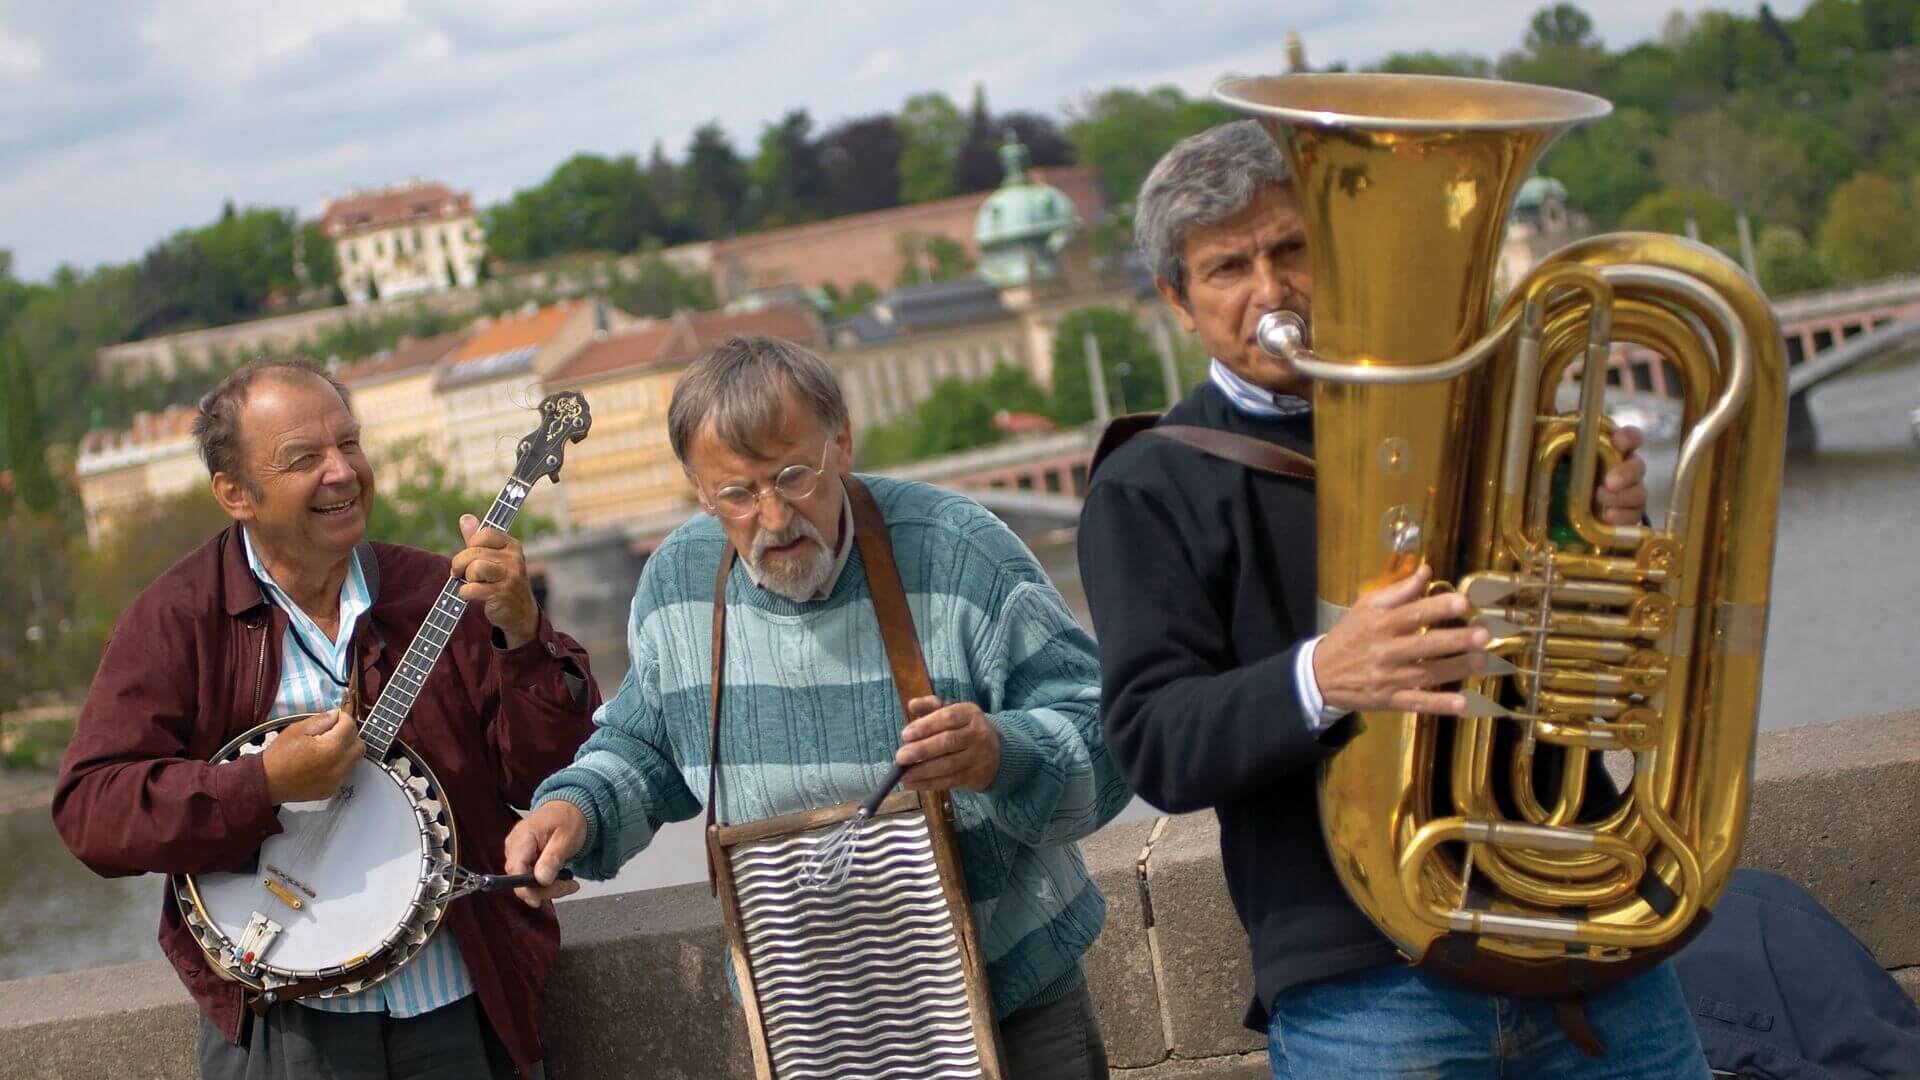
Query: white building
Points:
[413, 237]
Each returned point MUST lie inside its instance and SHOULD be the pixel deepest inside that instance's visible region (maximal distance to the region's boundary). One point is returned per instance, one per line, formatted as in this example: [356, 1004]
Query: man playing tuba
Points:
[1200, 574]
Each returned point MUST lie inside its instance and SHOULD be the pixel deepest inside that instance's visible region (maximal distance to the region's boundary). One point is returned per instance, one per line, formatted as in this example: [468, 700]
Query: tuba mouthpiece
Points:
[1281, 334]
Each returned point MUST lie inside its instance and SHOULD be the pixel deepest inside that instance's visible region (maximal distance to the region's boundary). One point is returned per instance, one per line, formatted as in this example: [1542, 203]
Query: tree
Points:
[25, 439]
[1787, 264]
[862, 163]
[130, 557]
[931, 134]
[930, 257]
[716, 183]
[1560, 49]
[1046, 144]
[959, 413]
[851, 303]
[1667, 211]
[668, 186]
[420, 503]
[1608, 166]
[977, 166]
[318, 265]
[1891, 24]
[1712, 152]
[1871, 229]
[1562, 26]
[589, 203]
[1127, 360]
[37, 557]
[790, 185]
[1124, 132]
[657, 287]
[1464, 65]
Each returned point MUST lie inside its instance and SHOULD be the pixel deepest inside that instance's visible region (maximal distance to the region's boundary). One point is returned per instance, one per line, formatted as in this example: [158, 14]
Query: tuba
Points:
[1477, 844]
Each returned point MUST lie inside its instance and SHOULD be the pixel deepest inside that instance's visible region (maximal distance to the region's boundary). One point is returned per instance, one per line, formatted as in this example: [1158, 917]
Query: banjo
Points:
[355, 885]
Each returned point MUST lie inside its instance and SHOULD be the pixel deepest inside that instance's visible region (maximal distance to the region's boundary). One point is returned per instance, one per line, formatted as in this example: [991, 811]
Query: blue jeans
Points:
[1392, 1021]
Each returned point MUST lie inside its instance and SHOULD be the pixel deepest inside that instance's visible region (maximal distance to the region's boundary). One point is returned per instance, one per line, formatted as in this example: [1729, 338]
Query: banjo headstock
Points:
[564, 418]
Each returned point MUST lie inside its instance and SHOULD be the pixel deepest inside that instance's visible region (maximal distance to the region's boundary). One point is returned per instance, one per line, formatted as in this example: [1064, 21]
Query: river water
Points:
[1840, 644]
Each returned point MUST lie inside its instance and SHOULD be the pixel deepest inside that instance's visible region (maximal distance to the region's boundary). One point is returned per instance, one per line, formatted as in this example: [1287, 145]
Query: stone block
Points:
[641, 990]
[1199, 949]
[1909, 980]
[132, 1022]
[1230, 1067]
[1120, 965]
[1834, 808]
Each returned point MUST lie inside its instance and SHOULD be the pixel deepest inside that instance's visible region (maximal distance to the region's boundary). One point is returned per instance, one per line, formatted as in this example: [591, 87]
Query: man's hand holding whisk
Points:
[948, 746]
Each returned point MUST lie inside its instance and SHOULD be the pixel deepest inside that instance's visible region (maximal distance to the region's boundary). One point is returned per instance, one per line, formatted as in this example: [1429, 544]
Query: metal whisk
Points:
[833, 853]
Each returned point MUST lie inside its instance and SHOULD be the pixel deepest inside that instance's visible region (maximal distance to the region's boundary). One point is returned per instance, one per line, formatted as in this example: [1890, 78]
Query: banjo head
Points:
[369, 869]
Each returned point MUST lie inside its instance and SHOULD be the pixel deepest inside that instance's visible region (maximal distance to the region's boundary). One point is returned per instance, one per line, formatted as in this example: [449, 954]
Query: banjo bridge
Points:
[291, 881]
[283, 894]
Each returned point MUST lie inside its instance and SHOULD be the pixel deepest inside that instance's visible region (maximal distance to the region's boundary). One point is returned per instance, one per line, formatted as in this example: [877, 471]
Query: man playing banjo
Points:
[279, 615]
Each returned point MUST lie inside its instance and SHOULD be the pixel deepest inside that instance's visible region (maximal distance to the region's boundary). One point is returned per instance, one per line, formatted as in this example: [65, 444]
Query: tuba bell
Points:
[1476, 844]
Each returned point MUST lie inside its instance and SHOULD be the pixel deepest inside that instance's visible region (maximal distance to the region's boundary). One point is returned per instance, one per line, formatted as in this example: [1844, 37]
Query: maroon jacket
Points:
[196, 661]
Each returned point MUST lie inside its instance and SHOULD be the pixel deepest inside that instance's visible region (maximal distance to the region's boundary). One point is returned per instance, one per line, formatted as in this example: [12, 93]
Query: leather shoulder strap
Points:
[1118, 431]
[715, 680]
[1243, 449]
[909, 666]
[1257, 454]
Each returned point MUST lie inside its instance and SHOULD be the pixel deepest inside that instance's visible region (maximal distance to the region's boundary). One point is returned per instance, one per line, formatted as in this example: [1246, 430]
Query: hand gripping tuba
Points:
[1476, 844]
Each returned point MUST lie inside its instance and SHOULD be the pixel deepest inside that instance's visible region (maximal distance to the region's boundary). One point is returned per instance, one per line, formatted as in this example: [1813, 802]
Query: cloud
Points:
[19, 57]
[124, 120]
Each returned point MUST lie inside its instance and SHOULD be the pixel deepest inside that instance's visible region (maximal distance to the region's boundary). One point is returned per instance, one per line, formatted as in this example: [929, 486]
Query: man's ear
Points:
[844, 440]
[232, 495]
[1177, 302]
[699, 497]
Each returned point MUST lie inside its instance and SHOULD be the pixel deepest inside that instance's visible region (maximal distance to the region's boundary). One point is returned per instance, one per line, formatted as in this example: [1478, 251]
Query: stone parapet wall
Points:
[640, 990]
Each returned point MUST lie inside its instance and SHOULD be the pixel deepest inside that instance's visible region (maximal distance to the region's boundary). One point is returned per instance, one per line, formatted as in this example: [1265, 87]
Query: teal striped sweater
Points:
[810, 718]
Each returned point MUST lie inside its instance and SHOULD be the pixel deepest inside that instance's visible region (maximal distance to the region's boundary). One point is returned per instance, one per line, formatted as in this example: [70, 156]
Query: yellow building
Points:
[122, 472]
[625, 470]
[489, 388]
[393, 397]
[404, 239]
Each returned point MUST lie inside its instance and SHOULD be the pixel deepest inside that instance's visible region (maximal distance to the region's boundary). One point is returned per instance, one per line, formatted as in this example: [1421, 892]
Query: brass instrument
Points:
[1439, 440]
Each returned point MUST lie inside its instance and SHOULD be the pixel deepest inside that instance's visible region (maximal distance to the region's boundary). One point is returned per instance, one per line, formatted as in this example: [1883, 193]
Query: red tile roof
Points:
[1021, 423]
[395, 205]
[173, 422]
[657, 342]
[518, 330]
[409, 355]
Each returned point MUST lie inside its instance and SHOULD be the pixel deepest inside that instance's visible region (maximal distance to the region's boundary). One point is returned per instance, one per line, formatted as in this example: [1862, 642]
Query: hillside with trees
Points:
[1809, 127]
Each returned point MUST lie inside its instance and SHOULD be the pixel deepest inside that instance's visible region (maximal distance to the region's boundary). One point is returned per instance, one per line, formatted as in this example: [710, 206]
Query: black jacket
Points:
[1199, 574]
[1781, 991]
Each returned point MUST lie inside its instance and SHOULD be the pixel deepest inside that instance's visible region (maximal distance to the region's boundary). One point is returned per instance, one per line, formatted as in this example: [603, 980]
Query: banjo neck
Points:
[382, 724]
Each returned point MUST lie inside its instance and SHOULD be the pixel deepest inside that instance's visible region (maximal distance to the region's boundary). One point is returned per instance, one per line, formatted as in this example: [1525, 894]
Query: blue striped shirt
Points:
[811, 718]
[437, 975]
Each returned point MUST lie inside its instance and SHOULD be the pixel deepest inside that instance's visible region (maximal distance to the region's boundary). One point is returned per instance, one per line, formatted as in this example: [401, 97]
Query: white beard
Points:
[796, 577]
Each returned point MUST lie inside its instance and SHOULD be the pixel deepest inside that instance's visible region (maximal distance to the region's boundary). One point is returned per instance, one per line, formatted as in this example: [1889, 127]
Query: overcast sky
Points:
[123, 120]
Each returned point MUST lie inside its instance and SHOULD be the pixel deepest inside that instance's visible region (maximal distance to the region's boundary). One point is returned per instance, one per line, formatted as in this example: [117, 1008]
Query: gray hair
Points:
[1204, 180]
[216, 429]
[739, 386]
